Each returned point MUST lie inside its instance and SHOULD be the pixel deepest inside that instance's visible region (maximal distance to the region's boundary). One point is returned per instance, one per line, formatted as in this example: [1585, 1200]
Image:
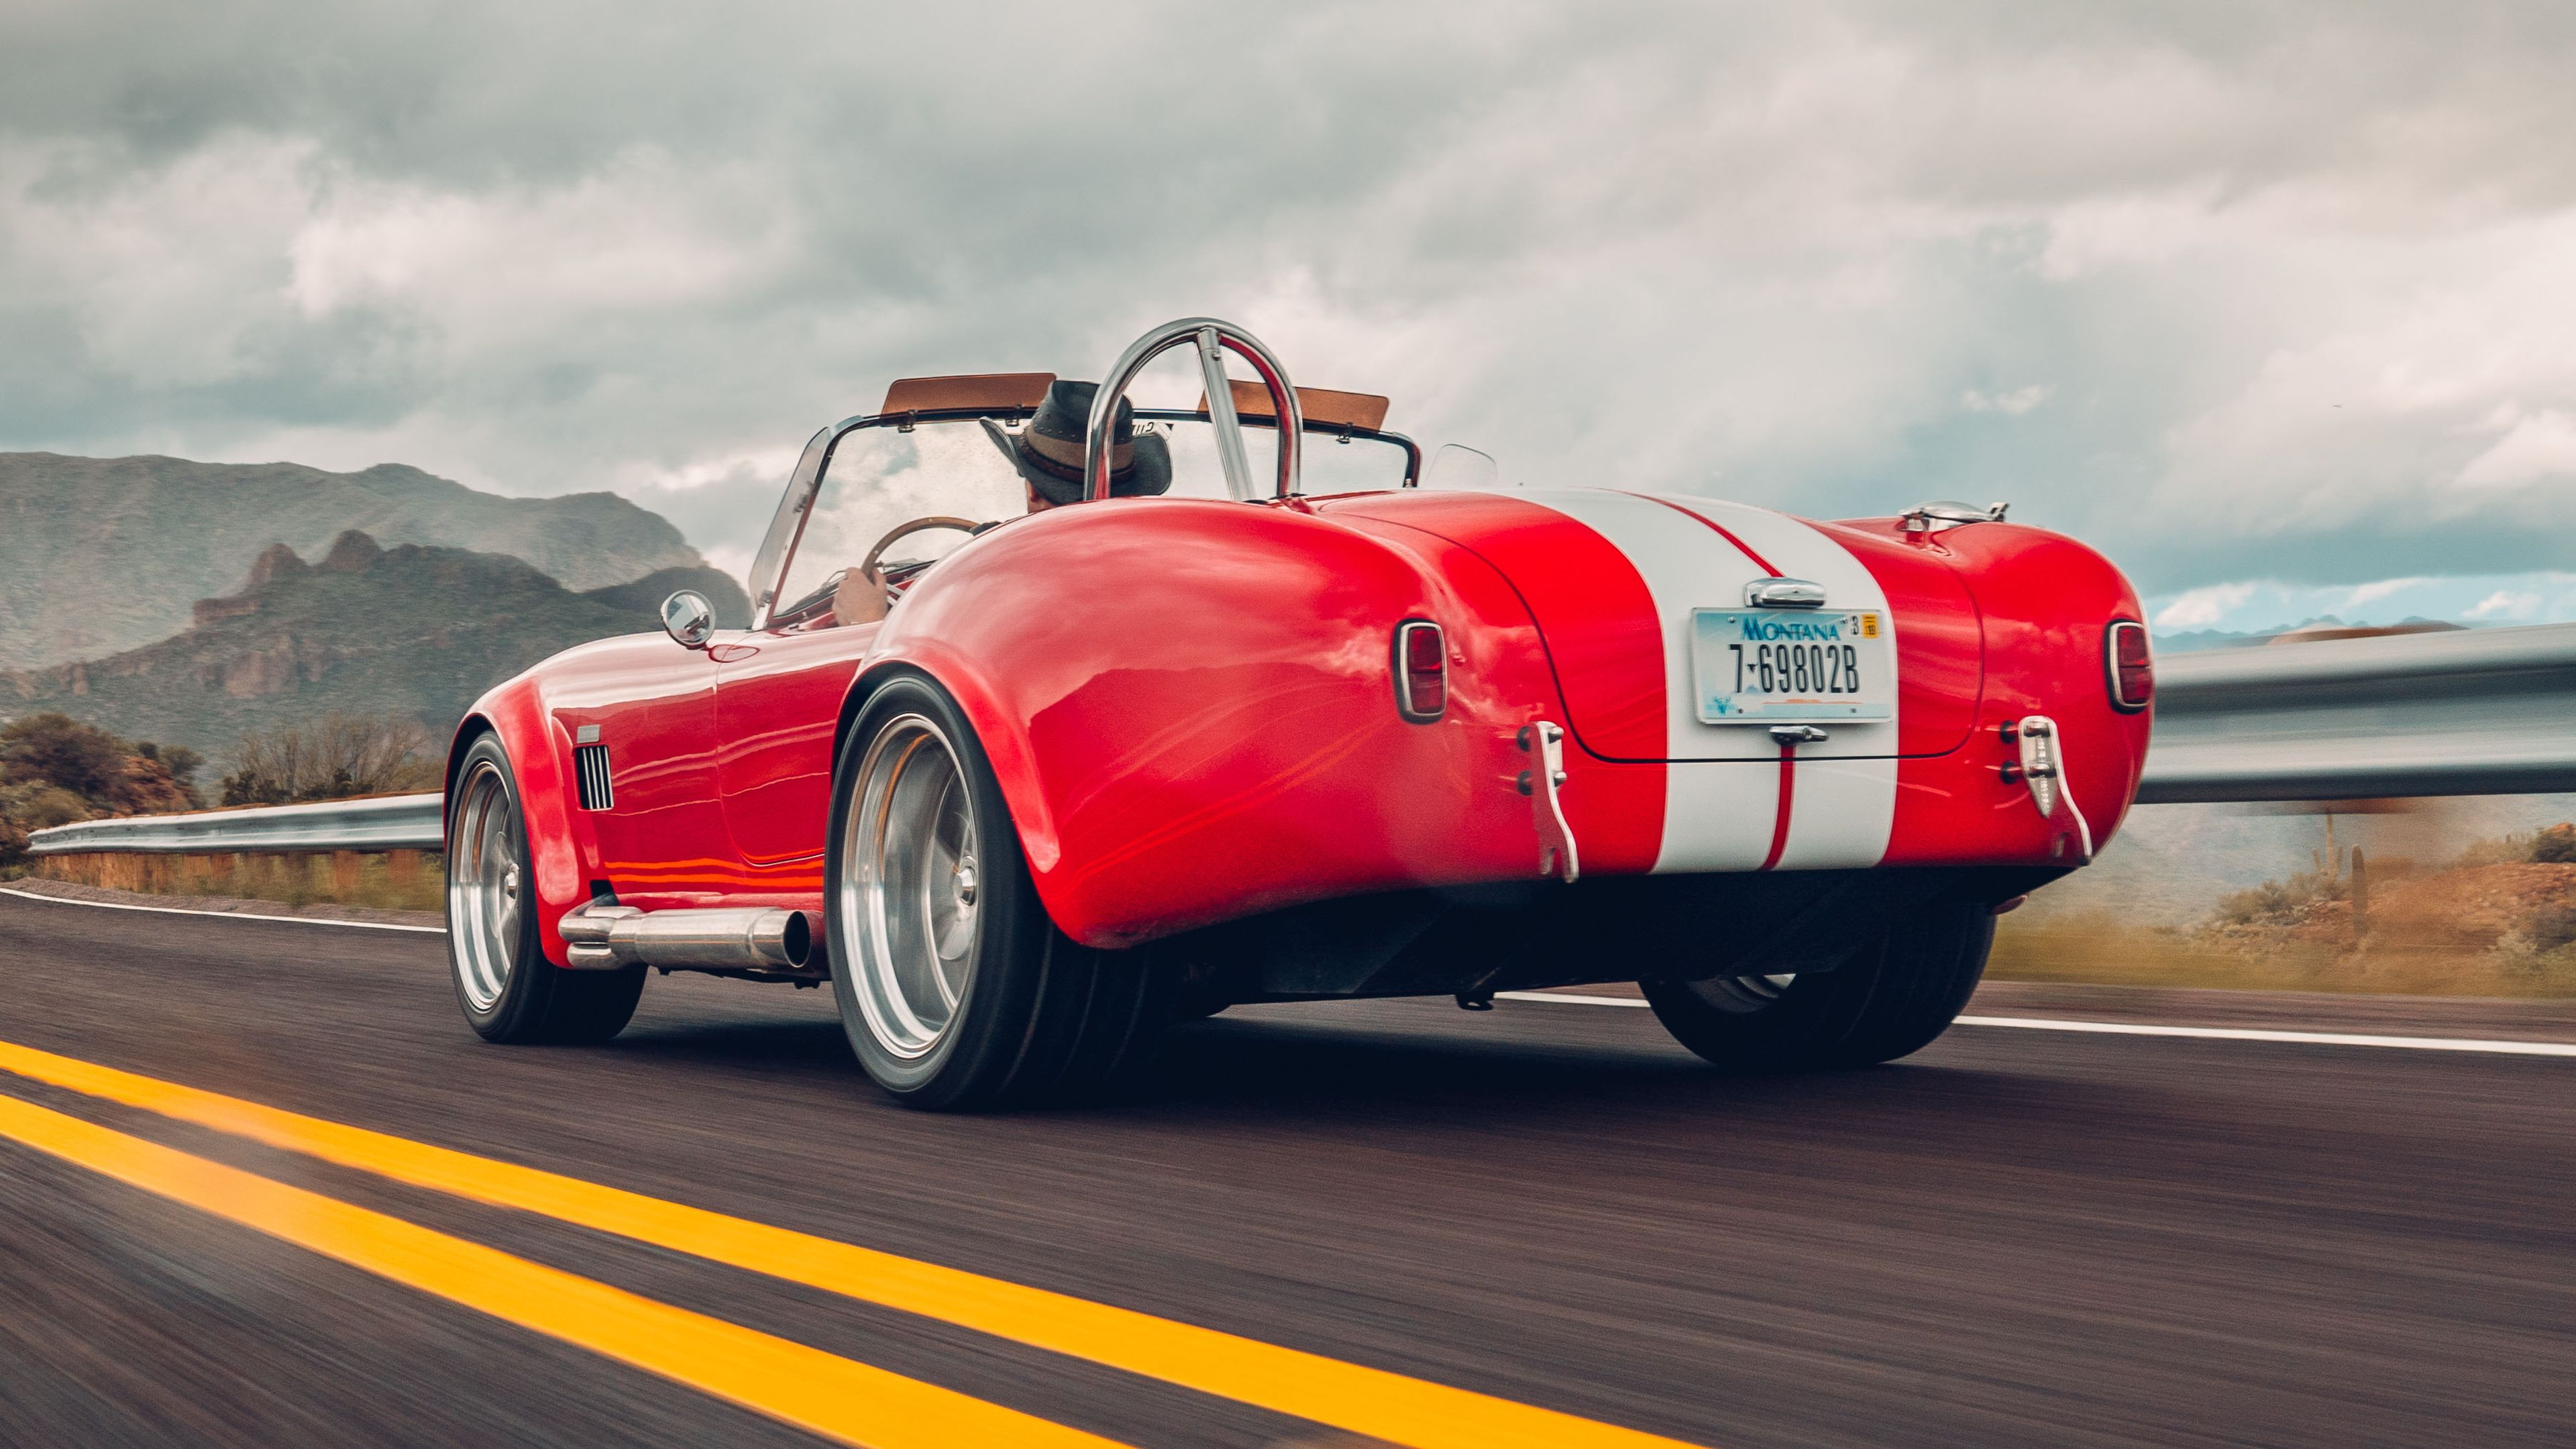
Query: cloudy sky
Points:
[2275, 302]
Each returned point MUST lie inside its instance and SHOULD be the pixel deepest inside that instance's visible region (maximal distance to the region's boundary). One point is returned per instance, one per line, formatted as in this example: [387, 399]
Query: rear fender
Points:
[998, 730]
[2046, 602]
[1189, 707]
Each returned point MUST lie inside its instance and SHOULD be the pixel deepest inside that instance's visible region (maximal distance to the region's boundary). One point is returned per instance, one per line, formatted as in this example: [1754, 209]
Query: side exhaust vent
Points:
[590, 774]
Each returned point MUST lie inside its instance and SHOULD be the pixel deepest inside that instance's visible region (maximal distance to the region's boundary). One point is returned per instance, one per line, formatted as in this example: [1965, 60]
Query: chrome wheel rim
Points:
[911, 886]
[485, 888]
[1743, 994]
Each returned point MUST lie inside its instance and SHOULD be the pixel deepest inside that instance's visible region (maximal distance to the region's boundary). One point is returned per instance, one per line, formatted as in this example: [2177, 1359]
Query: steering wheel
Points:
[901, 531]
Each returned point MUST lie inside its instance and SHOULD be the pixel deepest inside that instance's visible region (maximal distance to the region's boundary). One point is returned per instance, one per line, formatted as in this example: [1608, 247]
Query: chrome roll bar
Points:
[1209, 335]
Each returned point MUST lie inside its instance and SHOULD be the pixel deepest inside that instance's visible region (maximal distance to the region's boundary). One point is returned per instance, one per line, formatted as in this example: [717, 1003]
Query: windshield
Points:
[882, 477]
[1331, 463]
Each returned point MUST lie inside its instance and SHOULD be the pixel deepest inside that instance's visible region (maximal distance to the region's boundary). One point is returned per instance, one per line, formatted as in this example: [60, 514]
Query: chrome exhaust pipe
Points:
[604, 938]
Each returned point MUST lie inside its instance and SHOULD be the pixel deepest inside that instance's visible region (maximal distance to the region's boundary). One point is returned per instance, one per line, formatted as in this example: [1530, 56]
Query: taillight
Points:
[1421, 671]
[2131, 670]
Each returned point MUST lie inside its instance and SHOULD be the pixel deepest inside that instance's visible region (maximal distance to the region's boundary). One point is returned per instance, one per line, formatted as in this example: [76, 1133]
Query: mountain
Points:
[410, 631]
[2324, 626]
[105, 554]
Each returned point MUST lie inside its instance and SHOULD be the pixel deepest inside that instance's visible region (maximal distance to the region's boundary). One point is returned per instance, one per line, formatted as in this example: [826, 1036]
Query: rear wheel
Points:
[510, 992]
[955, 987]
[1888, 1001]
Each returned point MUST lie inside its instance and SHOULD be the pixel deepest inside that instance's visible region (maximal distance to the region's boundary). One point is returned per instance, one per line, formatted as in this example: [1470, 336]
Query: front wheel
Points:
[956, 989]
[1888, 1001]
[510, 992]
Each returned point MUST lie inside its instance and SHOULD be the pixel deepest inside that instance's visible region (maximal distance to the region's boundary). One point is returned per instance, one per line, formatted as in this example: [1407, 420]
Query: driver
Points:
[1047, 454]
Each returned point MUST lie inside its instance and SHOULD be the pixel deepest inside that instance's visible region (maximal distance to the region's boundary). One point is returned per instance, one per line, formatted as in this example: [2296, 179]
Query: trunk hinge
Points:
[1546, 743]
[2042, 766]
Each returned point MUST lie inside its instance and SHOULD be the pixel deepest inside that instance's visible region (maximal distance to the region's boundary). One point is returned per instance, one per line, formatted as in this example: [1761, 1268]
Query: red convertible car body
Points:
[1389, 739]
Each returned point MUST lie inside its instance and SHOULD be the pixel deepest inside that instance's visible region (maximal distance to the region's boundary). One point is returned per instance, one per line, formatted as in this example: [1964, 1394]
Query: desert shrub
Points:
[2555, 845]
[144, 786]
[2279, 902]
[2548, 927]
[37, 804]
[2499, 850]
[55, 770]
[338, 756]
[56, 749]
[182, 763]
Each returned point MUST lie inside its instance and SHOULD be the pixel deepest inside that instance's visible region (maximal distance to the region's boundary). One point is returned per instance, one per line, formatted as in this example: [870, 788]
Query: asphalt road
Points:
[2016, 1237]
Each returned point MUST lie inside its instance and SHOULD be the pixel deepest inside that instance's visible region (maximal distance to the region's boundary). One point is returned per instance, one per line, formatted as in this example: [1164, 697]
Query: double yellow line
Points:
[832, 1396]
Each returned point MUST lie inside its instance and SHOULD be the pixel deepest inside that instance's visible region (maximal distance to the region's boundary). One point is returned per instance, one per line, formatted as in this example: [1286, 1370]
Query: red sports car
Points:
[1059, 720]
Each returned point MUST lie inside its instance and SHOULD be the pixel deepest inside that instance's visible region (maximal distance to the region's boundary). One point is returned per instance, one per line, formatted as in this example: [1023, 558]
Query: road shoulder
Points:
[322, 911]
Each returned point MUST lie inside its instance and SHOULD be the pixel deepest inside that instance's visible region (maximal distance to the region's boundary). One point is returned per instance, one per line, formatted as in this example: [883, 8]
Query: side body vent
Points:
[590, 773]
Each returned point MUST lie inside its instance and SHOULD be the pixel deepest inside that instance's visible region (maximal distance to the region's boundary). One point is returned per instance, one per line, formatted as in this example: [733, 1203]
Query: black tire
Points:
[1038, 1017]
[1890, 1000]
[509, 991]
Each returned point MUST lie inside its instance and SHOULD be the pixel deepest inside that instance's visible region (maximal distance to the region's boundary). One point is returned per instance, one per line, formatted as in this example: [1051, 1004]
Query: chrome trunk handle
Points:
[1209, 335]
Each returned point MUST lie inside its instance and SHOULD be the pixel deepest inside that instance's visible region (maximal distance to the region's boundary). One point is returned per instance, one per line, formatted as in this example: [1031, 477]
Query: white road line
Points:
[2311, 1038]
[2207, 1033]
[221, 915]
[1567, 996]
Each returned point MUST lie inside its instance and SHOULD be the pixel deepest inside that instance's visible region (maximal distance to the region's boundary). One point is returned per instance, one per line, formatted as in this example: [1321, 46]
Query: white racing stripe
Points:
[1840, 814]
[1719, 816]
[220, 915]
[1842, 808]
[2210, 1033]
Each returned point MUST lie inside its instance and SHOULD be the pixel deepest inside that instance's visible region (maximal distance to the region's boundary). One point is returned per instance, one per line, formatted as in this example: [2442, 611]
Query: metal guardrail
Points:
[385, 822]
[2475, 712]
[2470, 712]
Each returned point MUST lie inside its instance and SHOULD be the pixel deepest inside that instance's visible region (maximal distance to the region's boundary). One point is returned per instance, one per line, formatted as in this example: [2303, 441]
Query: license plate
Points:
[1776, 666]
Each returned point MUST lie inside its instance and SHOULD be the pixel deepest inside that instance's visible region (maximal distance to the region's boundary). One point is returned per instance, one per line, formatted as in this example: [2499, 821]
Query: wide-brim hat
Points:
[1049, 451]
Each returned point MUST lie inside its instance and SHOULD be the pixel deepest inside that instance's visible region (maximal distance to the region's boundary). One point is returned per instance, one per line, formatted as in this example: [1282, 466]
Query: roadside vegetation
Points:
[408, 880]
[55, 770]
[2499, 919]
[337, 757]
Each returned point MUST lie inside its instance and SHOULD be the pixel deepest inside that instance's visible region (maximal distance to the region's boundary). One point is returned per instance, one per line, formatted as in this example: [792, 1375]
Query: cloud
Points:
[2303, 283]
[2504, 605]
[2012, 404]
[2536, 449]
[2365, 595]
[2199, 608]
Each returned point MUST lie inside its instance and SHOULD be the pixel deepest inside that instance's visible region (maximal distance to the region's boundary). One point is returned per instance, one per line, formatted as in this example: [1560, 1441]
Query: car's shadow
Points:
[791, 1046]
[1549, 1072]
[1391, 1062]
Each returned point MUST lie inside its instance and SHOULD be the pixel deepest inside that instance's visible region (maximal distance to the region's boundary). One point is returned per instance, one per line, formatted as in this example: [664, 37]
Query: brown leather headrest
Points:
[1320, 405]
[996, 391]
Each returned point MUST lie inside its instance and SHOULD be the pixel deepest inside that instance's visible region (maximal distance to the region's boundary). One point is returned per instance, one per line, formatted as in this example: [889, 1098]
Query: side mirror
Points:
[689, 618]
